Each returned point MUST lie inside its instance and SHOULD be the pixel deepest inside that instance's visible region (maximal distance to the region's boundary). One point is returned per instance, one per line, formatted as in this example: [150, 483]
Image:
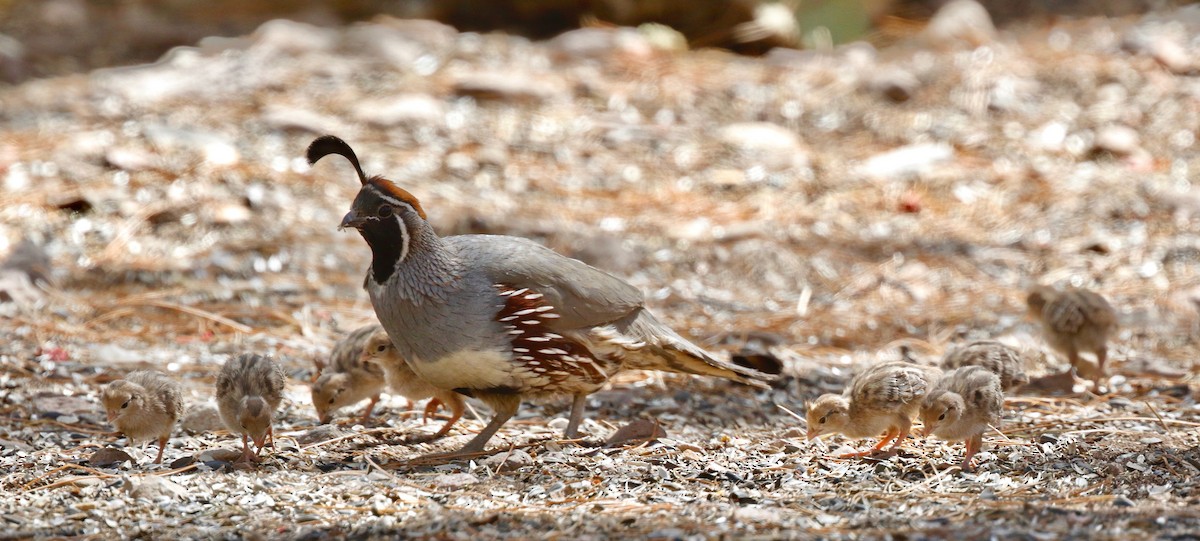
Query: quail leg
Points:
[505, 407]
[901, 435]
[247, 456]
[431, 408]
[577, 407]
[162, 444]
[370, 407]
[456, 413]
[891, 433]
[974, 444]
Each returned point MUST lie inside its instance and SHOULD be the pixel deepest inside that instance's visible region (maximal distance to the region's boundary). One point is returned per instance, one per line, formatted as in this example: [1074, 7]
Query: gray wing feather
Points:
[584, 295]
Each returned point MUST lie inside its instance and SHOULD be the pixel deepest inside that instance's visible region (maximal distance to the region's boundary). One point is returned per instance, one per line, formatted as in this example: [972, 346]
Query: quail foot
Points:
[1007, 363]
[249, 390]
[347, 379]
[402, 380]
[883, 399]
[502, 318]
[965, 402]
[1075, 320]
[143, 406]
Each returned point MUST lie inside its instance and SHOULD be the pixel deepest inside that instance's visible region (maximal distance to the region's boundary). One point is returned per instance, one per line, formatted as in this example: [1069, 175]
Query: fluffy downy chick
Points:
[347, 379]
[1075, 320]
[144, 406]
[401, 379]
[249, 390]
[964, 404]
[1007, 363]
[884, 399]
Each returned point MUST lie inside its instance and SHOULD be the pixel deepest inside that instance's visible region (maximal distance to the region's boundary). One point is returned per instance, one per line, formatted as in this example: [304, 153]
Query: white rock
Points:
[775, 145]
[960, 21]
[1117, 139]
[400, 109]
[106, 354]
[152, 487]
[906, 160]
[455, 480]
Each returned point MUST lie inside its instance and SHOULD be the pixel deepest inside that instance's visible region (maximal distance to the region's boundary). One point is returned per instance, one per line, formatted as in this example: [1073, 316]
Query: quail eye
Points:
[125, 405]
[942, 417]
[385, 211]
[822, 421]
[331, 400]
[380, 349]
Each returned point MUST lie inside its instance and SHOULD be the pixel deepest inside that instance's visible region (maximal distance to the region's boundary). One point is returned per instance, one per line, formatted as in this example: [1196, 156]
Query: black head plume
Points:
[330, 144]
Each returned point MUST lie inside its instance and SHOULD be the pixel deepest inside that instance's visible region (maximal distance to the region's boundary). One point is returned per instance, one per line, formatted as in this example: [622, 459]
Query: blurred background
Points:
[55, 37]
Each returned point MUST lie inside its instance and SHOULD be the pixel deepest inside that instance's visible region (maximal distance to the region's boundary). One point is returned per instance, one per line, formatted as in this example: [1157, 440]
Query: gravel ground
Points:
[821, 207]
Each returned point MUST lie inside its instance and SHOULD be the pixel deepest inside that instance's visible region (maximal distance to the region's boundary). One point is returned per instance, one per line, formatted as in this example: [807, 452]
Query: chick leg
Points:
[577, 407]
[370, 407]
[974, 444]
[1101, 357]
[901, 435]
[456, 412]
[891, 433]
[431, 408]
[247, 456]
[162, 444]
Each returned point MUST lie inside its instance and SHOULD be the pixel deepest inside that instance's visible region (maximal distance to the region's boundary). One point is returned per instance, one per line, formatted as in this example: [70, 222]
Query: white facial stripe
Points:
[403, 237]
[392, 200]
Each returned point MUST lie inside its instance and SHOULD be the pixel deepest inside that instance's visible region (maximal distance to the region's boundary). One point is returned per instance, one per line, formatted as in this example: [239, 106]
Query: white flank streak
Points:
[538, 339]
[521, 291]
[520, 350]
[550, 316]
[545, 308]
[533, 296]
[531, 322]
[525, 312]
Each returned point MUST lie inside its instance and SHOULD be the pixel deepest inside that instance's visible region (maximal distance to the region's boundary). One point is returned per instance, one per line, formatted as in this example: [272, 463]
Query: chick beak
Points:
[260, 440]
[812, 434]
[112, 415]
[352, 219]
[927, 430]
[324, 419]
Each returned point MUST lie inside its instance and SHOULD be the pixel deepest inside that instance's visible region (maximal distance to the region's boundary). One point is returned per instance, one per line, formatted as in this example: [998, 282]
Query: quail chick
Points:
[249, 390]
[380, 351]
[965, 402]
[1075, 320]
[884, 399]
[143, 406]
[348, 380]
[1007, 363]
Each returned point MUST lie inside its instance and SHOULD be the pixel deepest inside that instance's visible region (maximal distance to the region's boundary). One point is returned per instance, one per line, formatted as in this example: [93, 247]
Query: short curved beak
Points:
[324, 419]
[351, 219]
[259, 441]
[927, 430]
[112, 416]
[812, 434]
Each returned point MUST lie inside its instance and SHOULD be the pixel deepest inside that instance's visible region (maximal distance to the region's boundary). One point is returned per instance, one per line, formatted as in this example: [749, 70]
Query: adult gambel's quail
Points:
[502, 318]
